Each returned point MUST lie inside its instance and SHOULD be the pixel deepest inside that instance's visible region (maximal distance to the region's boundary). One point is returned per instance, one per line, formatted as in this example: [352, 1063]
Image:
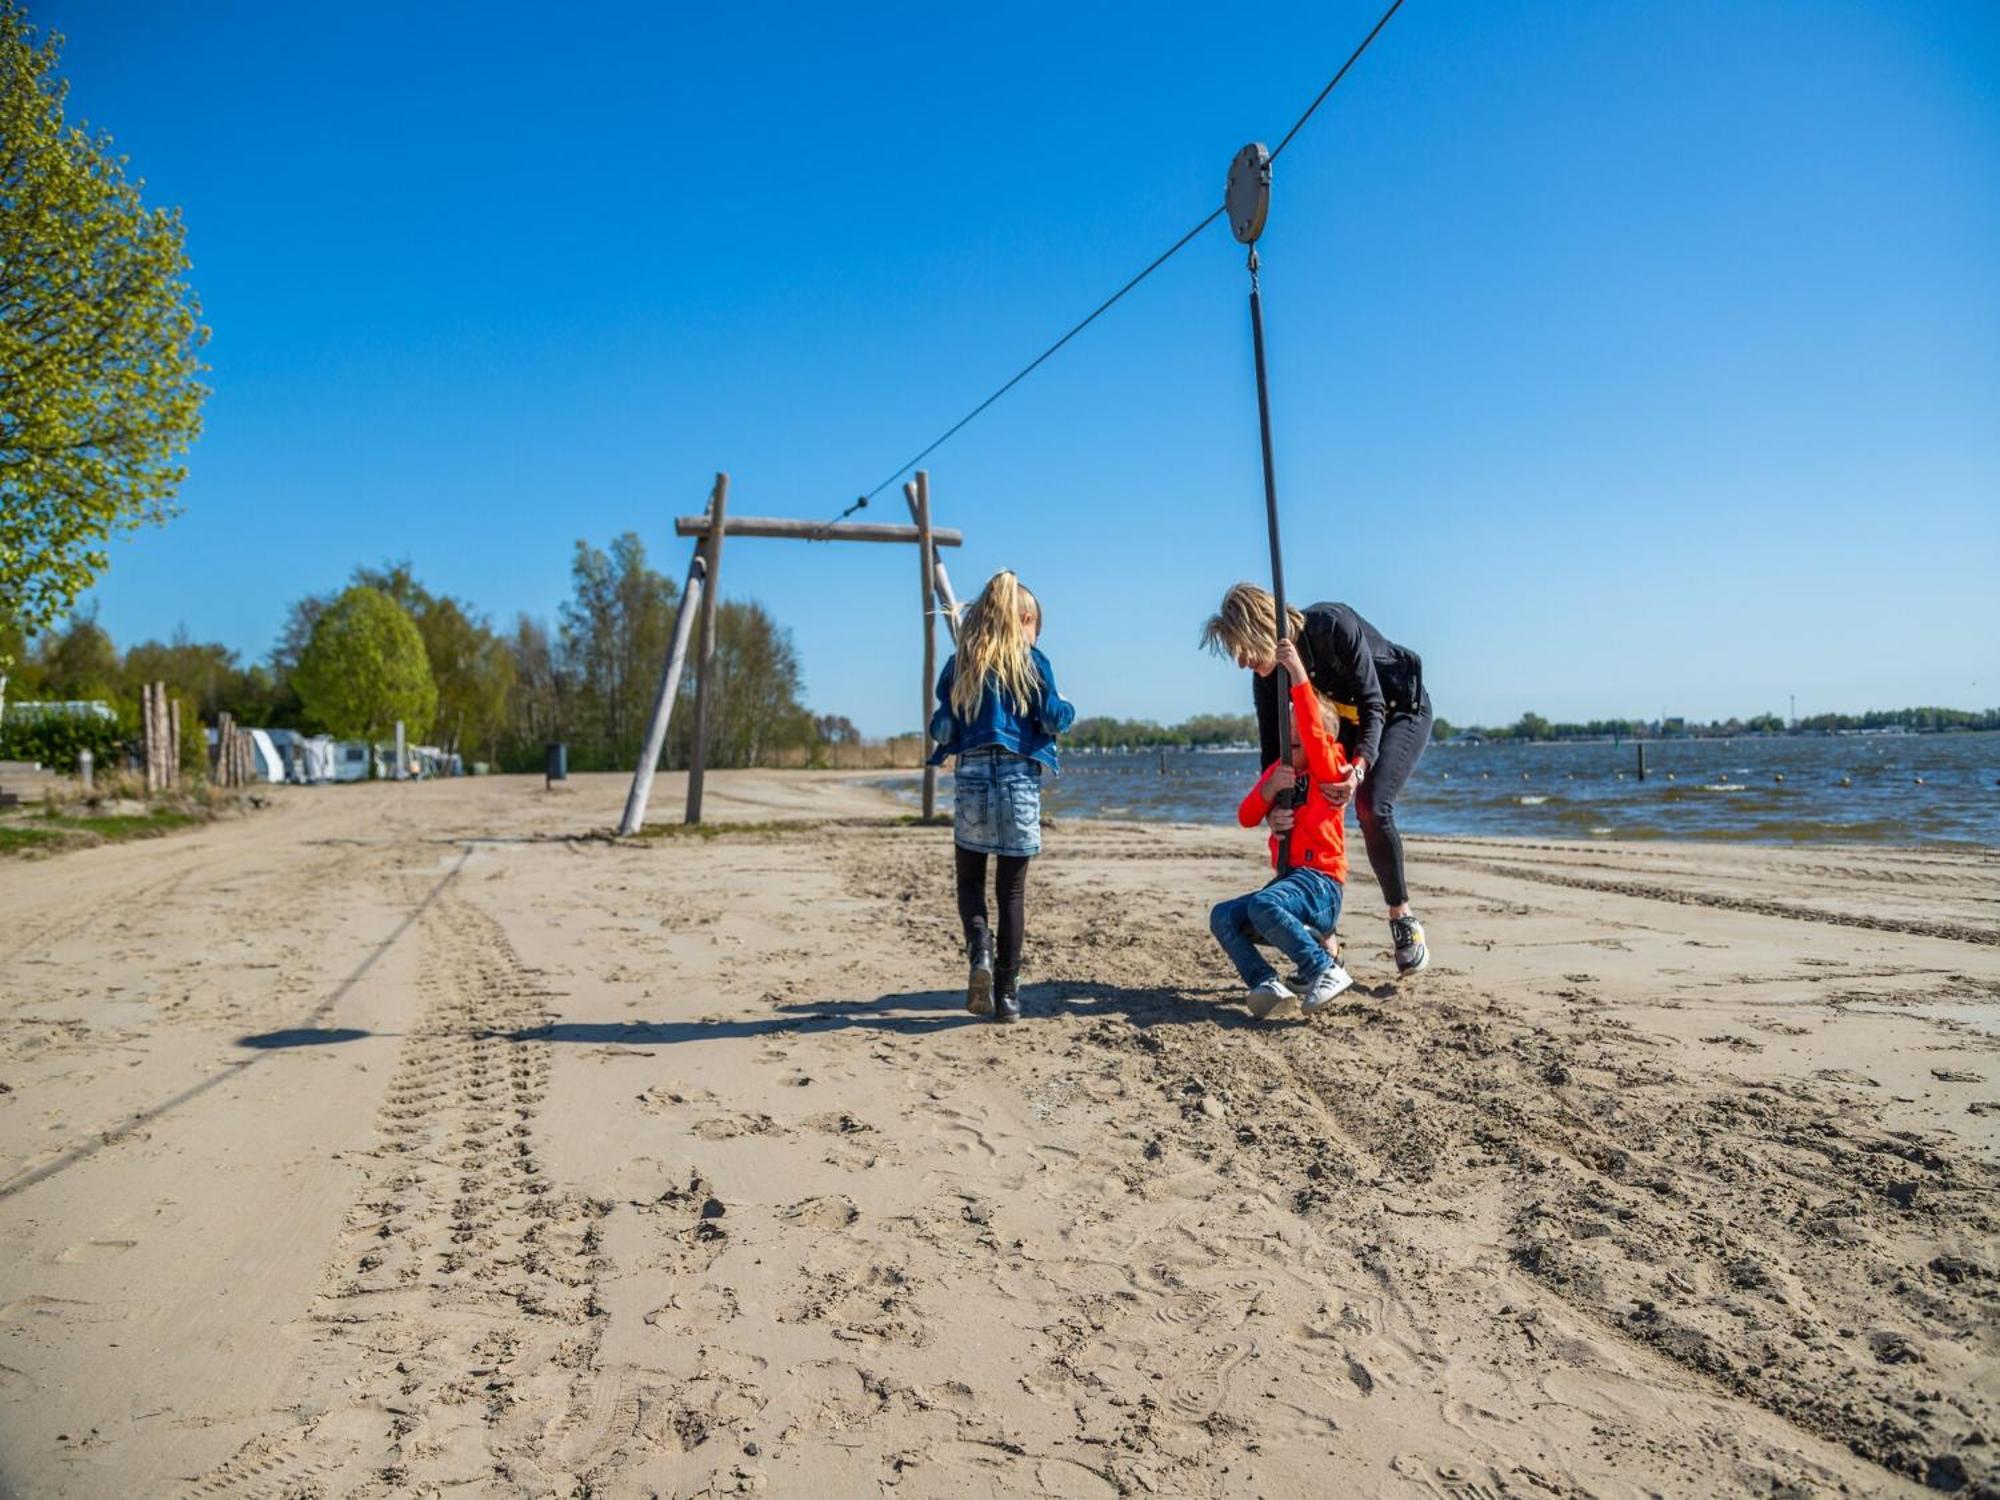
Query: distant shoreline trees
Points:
[1533, 728]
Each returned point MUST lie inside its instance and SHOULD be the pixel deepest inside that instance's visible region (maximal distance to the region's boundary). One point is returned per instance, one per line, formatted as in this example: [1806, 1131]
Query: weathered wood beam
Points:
[814, 531]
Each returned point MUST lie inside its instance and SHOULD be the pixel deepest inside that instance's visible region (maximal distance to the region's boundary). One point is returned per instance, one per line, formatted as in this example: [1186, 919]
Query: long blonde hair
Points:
[1246, 626]
[993, 645]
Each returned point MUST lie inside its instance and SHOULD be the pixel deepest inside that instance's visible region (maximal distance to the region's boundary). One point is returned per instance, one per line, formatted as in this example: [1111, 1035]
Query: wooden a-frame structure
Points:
[704, 586]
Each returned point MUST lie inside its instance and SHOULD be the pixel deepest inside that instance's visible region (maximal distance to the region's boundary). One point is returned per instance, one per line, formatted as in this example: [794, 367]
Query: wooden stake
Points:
[704, 672]
[925, 554]
[173, 742]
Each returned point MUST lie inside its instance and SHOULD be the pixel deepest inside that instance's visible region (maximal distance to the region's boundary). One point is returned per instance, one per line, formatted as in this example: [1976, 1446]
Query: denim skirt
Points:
[998, 802]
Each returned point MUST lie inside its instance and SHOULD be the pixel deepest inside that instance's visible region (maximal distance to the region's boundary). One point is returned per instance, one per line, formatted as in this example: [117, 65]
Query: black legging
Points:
[1011, 887]
[1404, 736]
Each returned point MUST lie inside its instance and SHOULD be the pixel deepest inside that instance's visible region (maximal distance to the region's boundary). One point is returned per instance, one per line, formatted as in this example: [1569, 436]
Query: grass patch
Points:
[52, 832]
[15, 839]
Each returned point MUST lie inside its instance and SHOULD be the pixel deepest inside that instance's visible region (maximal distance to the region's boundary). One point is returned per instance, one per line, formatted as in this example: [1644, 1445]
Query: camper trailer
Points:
[350, 760]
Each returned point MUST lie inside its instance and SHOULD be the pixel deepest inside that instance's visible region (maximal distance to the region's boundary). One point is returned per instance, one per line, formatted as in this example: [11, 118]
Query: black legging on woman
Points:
[1404, 736]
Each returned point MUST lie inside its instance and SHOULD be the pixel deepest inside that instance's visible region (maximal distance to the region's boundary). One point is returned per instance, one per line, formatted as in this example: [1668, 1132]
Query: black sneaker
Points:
[979, 978]
[1407, 933]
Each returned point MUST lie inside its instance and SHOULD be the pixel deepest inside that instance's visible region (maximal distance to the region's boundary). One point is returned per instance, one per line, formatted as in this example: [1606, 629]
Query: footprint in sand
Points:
[1197, 1393]
[831, 1212]
[1444, 1478]
[89, 1250]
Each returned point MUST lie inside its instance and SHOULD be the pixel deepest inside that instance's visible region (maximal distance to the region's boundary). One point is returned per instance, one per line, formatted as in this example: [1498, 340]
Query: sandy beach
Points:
[413, 1140]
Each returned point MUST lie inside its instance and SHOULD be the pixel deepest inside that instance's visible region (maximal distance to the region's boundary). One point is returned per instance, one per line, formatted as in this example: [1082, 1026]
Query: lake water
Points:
[1900, 789]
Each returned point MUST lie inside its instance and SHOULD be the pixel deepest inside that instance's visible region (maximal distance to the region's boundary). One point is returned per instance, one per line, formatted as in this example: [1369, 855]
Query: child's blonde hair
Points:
[1246, 626]
[993, 643]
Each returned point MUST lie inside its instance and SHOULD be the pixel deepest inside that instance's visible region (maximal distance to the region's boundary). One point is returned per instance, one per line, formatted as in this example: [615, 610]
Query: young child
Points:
[1300, 907]
[999, 713]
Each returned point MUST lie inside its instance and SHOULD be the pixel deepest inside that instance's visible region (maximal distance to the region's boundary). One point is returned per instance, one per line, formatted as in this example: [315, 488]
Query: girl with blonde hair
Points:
[999, 713]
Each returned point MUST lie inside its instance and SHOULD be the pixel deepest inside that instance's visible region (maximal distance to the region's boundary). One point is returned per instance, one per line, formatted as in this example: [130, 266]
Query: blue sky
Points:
[1625, 358]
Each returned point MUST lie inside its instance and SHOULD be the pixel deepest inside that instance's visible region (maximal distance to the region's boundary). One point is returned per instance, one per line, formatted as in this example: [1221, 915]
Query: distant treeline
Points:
[500, 694]
[1143, 734]
[1533, 726]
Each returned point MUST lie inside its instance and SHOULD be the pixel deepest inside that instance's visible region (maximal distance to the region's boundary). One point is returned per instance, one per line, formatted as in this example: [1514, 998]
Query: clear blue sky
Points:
[1625, 358]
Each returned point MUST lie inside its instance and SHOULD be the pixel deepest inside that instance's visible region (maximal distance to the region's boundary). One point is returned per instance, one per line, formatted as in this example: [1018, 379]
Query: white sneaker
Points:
[1265, 999]
[1333, 980]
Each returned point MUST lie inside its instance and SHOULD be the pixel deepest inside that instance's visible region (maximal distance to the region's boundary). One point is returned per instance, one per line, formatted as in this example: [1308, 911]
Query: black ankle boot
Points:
[1006, 998]
[979, 977]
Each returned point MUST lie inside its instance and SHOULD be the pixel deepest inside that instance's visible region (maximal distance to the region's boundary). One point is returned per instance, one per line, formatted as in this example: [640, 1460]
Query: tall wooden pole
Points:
[663, 705]
[704, 671]
[925, 559]
[151, 732]
[173, 742]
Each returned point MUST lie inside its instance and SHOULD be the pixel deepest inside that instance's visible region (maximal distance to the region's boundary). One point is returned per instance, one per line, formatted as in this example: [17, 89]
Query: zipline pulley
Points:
[1248, 198]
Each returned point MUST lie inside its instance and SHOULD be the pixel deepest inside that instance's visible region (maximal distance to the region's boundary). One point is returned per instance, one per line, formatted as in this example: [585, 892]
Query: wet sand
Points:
[400, 1140]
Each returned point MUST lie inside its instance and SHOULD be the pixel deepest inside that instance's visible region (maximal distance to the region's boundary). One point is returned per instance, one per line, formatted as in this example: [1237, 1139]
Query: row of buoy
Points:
[1778, 779]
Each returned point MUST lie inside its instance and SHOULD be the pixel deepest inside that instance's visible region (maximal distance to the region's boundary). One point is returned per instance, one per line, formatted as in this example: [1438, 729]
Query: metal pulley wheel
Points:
[1248, 196]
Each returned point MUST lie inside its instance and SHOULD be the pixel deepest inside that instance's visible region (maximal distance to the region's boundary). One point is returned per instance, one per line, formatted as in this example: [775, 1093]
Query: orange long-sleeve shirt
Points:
[1319, 834]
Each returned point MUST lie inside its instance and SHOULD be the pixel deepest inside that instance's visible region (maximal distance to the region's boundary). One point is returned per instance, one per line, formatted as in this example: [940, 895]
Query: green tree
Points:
[365, 668]
[474, 675]
[1532, 726]
[99, 344]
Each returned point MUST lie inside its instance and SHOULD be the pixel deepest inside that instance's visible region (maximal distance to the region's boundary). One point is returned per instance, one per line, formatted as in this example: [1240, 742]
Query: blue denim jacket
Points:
[995, 722]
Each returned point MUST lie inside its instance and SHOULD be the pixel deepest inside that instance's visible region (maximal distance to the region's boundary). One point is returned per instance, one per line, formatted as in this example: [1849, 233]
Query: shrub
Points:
[54, 740]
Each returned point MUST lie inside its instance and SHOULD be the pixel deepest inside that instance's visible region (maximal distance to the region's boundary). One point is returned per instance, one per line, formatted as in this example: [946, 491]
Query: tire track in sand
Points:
[460, 1306]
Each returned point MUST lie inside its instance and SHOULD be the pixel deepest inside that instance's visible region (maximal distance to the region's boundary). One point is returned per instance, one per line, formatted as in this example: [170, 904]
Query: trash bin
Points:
[555, 763]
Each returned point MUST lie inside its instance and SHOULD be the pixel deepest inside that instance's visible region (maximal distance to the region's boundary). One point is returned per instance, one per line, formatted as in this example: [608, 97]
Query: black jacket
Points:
[1350, 661]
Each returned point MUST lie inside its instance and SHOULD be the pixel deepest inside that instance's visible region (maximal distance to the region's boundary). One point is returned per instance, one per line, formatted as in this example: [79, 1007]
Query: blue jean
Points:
[1290, 914]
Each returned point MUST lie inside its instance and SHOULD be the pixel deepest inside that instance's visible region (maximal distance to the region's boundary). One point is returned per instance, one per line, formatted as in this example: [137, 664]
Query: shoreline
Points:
[1678, 1172]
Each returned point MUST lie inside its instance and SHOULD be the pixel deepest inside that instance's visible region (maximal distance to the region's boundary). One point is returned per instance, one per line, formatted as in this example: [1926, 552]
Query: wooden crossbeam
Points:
[815, 531]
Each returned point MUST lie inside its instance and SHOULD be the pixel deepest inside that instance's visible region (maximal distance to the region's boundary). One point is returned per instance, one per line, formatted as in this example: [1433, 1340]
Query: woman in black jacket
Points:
[1382, 683]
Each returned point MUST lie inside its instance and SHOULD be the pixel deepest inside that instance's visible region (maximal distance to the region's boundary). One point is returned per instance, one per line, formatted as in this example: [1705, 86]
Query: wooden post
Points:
[173, 742]
[156, 734]
[222, 749]
[156, 737]
[1641, 746]
[925, 554]
[148, 730]
[704, 670]
[663, 705]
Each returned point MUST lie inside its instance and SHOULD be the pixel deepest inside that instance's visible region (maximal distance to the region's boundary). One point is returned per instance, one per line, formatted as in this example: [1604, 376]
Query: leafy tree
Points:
[99, 341]
[1532, 726]
[473, 672]
[365, 668]
[836, 729]
[79, 662]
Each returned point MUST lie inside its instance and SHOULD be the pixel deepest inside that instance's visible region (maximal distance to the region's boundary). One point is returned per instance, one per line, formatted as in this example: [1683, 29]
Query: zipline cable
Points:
[1032, 365]
[1334, 81]
[1158, 261]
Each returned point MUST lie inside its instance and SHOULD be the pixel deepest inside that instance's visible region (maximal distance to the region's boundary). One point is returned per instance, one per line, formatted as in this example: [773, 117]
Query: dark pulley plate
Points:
[1248, 197]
